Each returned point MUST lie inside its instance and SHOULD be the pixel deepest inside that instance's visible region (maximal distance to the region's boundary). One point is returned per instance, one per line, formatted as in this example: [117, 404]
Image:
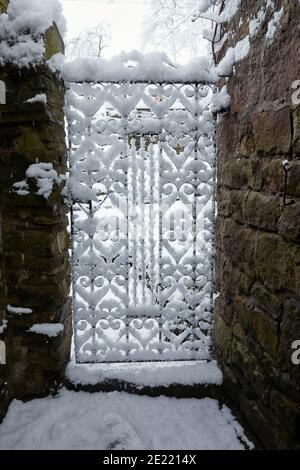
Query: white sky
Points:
[124, 16]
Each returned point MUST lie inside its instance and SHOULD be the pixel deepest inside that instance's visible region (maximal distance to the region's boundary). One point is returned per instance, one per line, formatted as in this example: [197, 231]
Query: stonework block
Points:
[275, 262]
[296, 131]
[262, 211]
[272, 132]
[294, 179]
[289, 223]
[264, 331]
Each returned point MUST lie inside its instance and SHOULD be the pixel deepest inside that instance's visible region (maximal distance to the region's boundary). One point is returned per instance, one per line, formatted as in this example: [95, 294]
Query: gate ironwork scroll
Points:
[142, 159]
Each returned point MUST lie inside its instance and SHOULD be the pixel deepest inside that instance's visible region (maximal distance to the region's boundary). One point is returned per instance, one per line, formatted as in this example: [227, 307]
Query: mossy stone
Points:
[53, 42]
[3, 6]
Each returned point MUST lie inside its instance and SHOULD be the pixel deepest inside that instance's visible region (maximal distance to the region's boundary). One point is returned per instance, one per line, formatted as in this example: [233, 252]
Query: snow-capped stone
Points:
[47, 329]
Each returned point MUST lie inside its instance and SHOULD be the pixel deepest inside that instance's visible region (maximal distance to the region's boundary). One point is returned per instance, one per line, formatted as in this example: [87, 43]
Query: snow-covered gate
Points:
[142, 161]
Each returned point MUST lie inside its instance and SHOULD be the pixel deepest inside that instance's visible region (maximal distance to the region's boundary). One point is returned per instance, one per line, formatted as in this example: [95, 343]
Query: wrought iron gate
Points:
[142, 161]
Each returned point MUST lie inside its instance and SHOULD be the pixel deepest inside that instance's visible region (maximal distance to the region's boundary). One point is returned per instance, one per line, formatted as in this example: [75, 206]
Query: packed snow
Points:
[256, 23]
[273, 25]
[45, 177]
[17, 45]
[285, 163]
[25, 52]
[47, 329]
[43, 173]
[3, 326]
[2, 92]
[18, 310]
[225, 66]
[21, 188]
[2, 352]
[39, 98]
[233, 55]
[221, 100]
[270, 4]
[242, 49]
[147, 374]
[120, 421]
[34, 14]
[56, 62]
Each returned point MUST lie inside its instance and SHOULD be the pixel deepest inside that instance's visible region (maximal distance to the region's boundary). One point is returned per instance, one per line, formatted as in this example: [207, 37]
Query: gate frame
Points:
[214, 114]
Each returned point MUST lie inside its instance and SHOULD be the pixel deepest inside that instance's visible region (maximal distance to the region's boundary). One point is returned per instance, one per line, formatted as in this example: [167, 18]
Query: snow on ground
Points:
[117, 420]
[147, 374]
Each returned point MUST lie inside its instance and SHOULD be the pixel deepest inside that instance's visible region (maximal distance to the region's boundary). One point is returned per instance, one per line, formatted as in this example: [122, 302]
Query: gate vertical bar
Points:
[152, 222]
[213, 216]
[194, 209]
[160, 211]
[127, 248]
[72, 221]
[143, 234]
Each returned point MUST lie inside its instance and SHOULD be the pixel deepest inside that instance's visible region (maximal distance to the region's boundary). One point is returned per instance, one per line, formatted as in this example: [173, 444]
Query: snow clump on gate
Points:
[138, 67]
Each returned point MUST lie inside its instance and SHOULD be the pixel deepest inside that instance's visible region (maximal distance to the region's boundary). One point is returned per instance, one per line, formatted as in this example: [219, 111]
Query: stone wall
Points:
[257, 315]
[34, 230]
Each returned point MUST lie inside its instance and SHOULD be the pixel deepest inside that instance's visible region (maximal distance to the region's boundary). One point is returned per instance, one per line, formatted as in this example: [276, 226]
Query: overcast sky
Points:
[124, 16]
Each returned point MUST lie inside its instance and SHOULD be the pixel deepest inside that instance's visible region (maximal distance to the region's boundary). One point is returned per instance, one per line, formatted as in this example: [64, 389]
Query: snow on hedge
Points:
[47, 329]
[22, 28]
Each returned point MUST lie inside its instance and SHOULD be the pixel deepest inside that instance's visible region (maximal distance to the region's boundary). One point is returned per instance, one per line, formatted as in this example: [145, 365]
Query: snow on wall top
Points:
[22, 27]
[136, 66]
